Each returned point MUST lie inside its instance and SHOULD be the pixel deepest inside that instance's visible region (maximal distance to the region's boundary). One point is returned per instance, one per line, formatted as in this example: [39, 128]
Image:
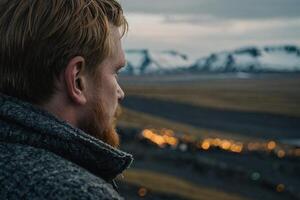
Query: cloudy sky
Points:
[200, 27]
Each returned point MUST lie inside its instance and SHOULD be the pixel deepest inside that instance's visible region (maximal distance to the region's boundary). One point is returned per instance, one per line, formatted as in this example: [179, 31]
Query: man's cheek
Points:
[118, 111]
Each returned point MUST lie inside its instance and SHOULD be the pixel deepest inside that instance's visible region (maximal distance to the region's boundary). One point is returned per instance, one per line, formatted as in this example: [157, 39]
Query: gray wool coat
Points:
[42, 157]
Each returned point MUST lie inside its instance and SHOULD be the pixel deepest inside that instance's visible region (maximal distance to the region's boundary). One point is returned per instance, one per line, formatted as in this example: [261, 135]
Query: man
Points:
[59, 61]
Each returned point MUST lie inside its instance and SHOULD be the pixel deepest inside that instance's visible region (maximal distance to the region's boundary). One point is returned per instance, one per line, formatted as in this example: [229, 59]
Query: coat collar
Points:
[23, 123]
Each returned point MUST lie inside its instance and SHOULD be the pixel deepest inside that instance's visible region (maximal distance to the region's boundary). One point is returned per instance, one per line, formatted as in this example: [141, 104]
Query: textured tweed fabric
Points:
[42, 157]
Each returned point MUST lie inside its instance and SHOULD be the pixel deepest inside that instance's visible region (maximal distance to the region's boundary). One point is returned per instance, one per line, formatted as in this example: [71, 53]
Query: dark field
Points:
[258, 125]
[279, 94]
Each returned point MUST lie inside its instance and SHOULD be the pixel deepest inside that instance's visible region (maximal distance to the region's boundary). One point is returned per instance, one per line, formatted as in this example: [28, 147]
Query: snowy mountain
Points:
[252, 59]
[147, 62]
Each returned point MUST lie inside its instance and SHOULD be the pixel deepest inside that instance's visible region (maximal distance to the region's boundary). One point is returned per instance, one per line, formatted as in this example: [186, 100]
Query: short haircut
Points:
[39, 37]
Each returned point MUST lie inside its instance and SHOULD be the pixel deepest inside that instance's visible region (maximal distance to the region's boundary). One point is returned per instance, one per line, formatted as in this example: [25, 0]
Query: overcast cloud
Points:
[200, 27]
[220, 8]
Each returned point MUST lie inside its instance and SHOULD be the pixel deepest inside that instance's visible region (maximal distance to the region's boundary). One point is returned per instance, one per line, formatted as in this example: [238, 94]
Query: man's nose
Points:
[121, 93]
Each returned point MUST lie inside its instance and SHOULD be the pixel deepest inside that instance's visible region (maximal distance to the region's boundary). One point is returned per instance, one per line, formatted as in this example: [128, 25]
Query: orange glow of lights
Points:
[142, 192]
[205, 144]
[170, 140]
[271, 145]
[159, 139]
[281, 153]
[165, 137]
[216, 142]
[280, 187]
[237, 148]
[167, 132]
[225, 144]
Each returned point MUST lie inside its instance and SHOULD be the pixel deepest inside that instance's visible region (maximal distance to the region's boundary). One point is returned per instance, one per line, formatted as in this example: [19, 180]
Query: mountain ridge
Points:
[251, 59]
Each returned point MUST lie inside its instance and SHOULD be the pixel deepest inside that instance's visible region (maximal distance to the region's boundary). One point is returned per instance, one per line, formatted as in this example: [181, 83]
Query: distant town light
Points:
[281, 153]
[205, 145]
[237, 148]
[271, 145]
[160, 140]
[225, 144]
[142, 192]
[280, 187]
[167, 138]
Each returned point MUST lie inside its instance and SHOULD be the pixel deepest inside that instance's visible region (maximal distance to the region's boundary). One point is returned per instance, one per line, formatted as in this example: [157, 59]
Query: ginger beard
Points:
[100, 125]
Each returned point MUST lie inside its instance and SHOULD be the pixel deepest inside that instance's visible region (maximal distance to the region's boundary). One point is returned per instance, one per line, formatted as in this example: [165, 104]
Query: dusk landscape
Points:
[212, 106]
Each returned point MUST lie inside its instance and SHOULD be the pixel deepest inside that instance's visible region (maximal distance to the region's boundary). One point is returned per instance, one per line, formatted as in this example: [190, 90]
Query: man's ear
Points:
[75, 80]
